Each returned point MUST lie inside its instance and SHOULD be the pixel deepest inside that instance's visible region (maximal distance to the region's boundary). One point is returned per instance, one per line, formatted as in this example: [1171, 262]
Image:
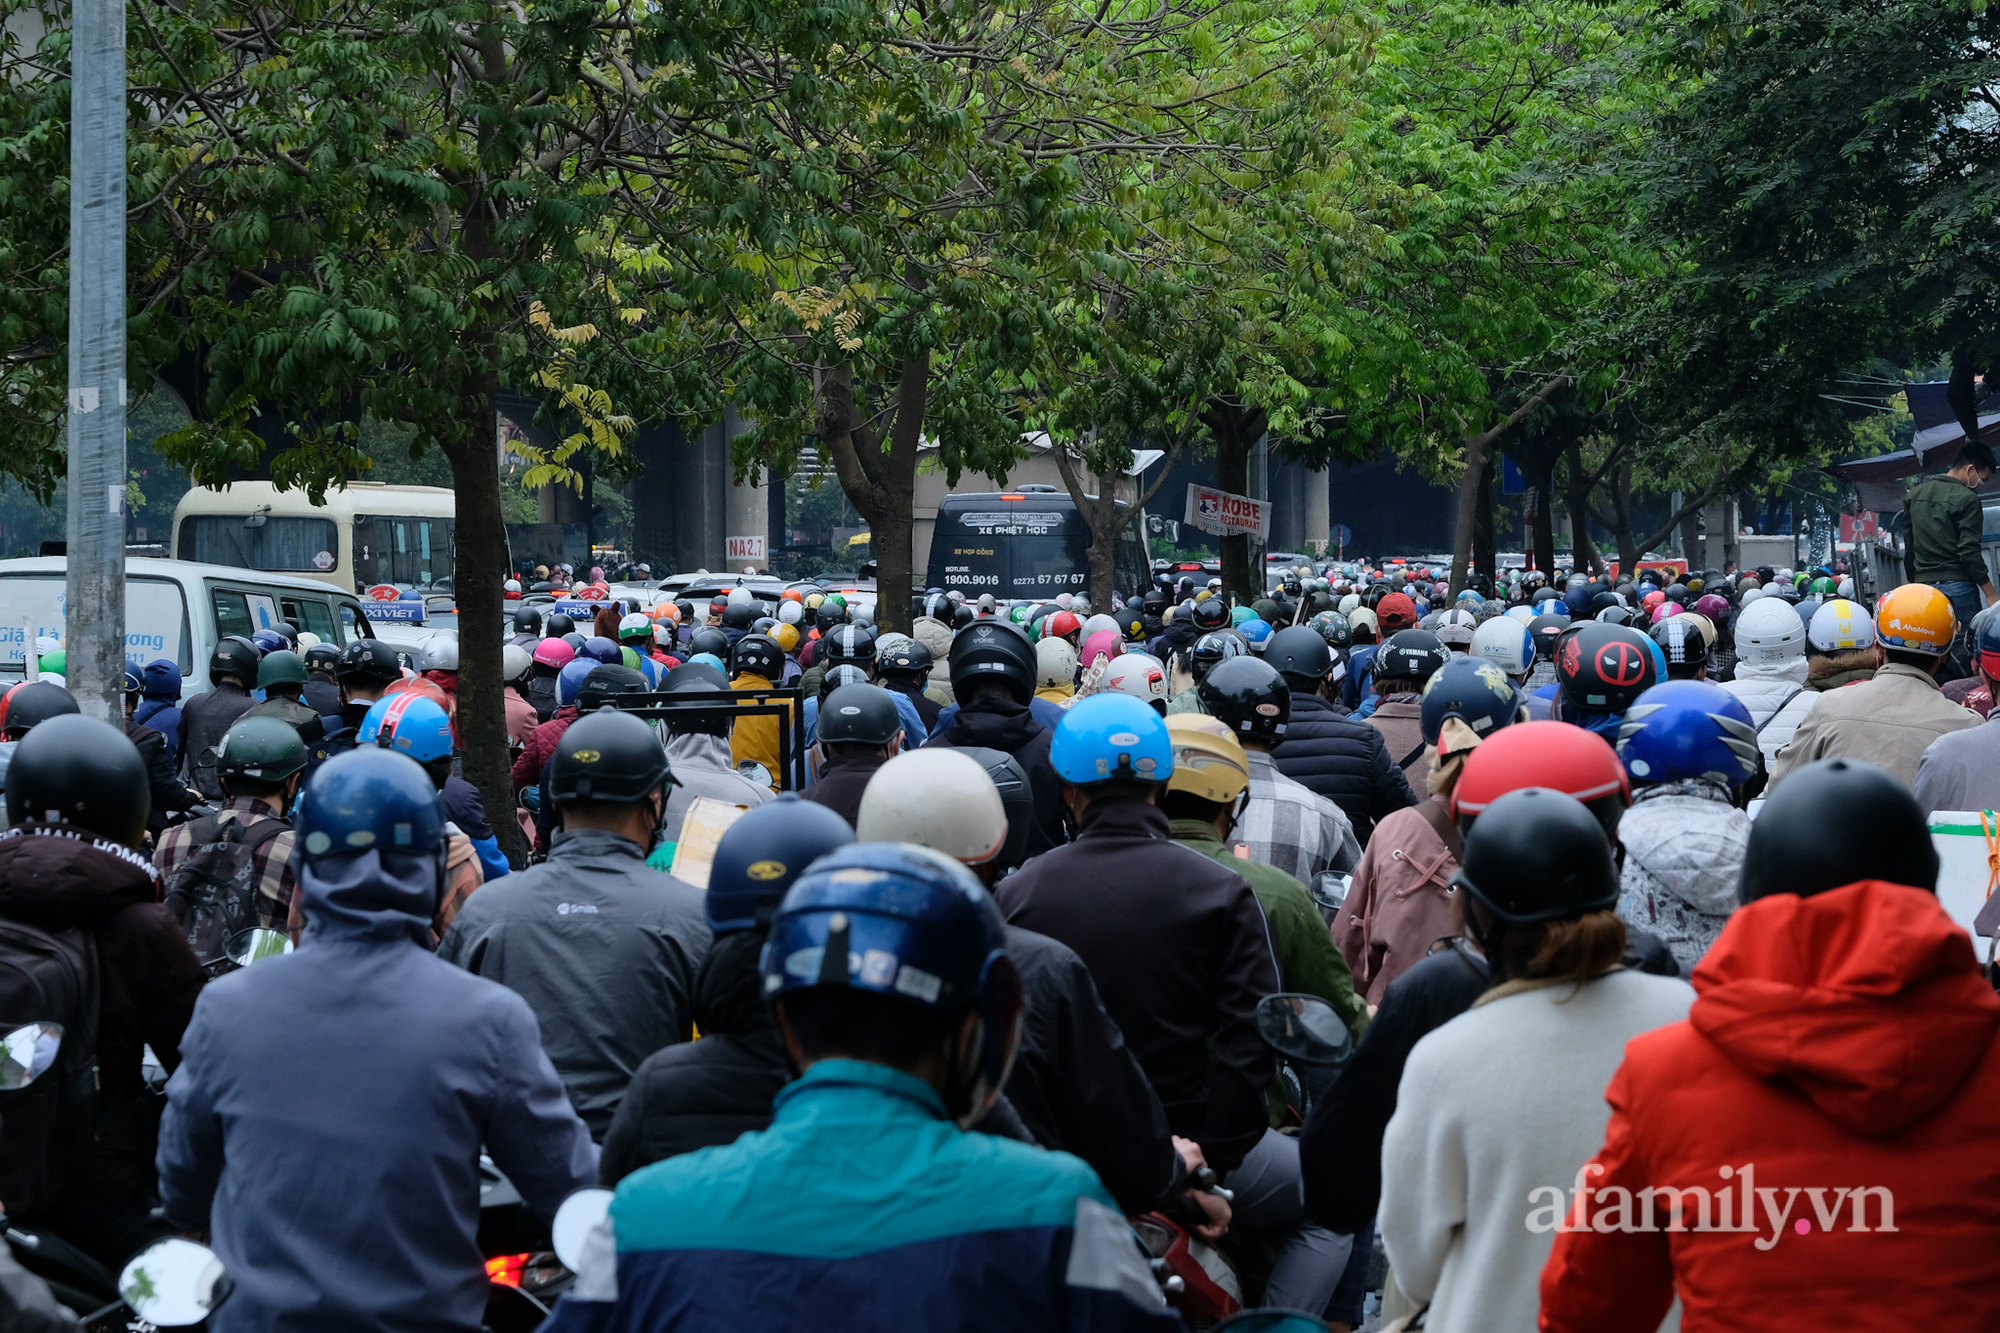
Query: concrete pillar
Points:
[1318, 512]
[748, 520]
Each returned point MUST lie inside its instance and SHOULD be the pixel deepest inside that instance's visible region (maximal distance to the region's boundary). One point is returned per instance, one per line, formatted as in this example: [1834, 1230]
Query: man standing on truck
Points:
[1946, 524]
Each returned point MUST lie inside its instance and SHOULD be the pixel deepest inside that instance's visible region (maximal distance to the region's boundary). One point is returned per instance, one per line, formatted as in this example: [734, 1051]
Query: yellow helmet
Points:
[1915, 617]
[1841, 626]
[1208, 761]
[786, 637]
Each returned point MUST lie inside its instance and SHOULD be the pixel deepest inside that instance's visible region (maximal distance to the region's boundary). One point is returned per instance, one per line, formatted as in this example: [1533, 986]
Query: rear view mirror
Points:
[26, 1054]
[1304, 1028]
[174, 1282]
[248, 946]
[579, 1215]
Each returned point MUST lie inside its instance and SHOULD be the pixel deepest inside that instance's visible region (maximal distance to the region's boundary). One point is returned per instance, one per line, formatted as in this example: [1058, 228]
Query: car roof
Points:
[152, 566]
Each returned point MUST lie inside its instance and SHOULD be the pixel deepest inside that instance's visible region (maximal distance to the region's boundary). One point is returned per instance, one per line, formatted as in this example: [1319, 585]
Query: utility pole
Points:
[94, 620]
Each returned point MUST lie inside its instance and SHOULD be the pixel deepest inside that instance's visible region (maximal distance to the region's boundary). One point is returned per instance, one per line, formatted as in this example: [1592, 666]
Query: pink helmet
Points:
[1105, 643]
[1712, 606]
[554, 653]
[1664, 610]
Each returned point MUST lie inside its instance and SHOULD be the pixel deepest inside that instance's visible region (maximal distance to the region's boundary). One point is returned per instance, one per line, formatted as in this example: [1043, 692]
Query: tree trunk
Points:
[1542, 522]
[1583, 551]
[1105, 524]
[1235, 428]
[881, 483]
[1690, 538]
[1621, 509]
[1468, 510]
[1484, 558]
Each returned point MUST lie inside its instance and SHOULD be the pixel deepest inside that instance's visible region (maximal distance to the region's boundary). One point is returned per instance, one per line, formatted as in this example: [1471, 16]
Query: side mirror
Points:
[174, 1282]
[248, 946]
[27, 1053]
[1305, 1029]
[579, 1215]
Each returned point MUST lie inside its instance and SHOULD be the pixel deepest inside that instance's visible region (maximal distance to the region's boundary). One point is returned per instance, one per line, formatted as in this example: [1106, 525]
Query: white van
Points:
[362, 537]
[175, 609]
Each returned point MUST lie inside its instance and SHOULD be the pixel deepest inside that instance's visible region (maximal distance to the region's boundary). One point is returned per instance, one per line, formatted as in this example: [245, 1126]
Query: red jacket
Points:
[1837, 1043]
[527, 770]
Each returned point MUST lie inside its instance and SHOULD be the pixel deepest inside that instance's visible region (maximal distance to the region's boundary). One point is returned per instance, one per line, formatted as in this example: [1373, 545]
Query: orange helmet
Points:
[1916, 617]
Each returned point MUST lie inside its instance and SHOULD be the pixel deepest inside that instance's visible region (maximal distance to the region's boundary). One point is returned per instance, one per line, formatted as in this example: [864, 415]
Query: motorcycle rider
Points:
[232, 672]
[890, 1208]
[160, 704]
[906, 670]
[1957, 771]
[1402, 666]
[1771, 671]
[282, 676]
[858, 731]
[1284, 823]
[322, 692]
[993, 678]
[169, 794]
[259, 765]
[367, 668]
[759, 663]
[516, 674]
[326, 1126]
[83, 871]
[602, 947]
[527, 628]
[698, 752]
[1075, 1085]
[1326, 751]
[1600, 670]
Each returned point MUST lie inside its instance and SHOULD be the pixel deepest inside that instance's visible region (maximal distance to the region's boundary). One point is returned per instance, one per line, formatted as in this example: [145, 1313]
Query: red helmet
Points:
[1556, 755]
[1653, 599]
[1396, 611]
[1061, 625]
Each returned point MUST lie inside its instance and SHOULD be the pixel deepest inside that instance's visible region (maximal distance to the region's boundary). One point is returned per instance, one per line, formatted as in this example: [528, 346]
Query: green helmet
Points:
[1334, 628]
[281, 668]
[54, 664]
[263, 748]
[1825, 587]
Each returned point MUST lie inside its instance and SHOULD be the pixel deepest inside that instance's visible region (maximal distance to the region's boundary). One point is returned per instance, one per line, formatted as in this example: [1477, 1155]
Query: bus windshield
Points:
[261, 541]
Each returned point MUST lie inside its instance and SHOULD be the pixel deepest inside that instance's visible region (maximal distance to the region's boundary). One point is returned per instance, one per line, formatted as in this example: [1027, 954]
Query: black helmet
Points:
[370, 660]
[1545, 630]
[322, 657]
[527, 621]
[608, 756]
[1212, 649]
[840, 676]
[859, 714]
[1211, 613]
[830, 613]
[910, 655]
[236, 656]
[1299, 651]
[263, 749]
[993, 648]
[689, 678]
[758, 653]
[1681, 639]
[1538, 855]
[36, 702]
[962, 615]
[1248, 697]
[1603, 668]
[709, 639]
[606, 680]
[1832, 823]
[1017, 798]
[78, 770]
[1414, 654]
[557, 625]
[762, 853]
[739, 615]
[848, 643]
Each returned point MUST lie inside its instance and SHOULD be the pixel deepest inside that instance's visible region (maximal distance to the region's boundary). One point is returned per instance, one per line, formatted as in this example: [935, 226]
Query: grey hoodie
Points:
[1684, 846]
[701, 767]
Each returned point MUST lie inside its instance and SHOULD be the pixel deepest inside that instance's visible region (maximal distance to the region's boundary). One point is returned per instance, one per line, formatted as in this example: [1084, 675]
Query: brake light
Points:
[506, 1269]
[1013, 497]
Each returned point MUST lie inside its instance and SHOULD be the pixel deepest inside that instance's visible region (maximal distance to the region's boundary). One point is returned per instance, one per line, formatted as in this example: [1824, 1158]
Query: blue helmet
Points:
[569, 681]
[1473, 690]
[408, 723]
[1469, 596]
[601, 649]
[909, 924]
[1258, 632]
[1688, 729]
[711, 661]
[370, 798]
[270, 641]
[1112, 737]
[762, 854]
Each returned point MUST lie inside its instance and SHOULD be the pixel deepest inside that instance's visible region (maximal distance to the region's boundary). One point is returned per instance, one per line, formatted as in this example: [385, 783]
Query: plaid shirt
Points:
[1287, 825]
[272, 862]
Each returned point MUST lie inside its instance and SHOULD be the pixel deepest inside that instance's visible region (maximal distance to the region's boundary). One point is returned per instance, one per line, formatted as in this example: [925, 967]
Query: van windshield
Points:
[276, 542]
[155, 617]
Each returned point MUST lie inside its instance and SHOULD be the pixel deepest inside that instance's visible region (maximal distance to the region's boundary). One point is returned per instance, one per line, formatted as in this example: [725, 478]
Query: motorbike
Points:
[1209, 1283]
[528, 1265]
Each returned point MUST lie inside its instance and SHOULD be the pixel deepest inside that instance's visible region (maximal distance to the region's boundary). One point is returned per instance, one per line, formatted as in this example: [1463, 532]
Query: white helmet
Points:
[440, 654]
[862, 615]
[1751, 594]
[1099, 623]
[1839, 626]
[514, 662]
[936, 798]
[789, 612]
[1348, 603]
[1063, 600]
[1141, 675]
[1055, 663]
[1455, 628]
[889, 643]
[1768, 630]
[1363, 618]
[308, 639]
[1845, 588]
[740, 597]
[633, 621]
[1521, 614]
[511, 585]
[1506, 643]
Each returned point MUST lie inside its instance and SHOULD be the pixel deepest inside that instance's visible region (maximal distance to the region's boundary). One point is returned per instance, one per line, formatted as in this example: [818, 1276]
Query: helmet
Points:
[527, 620]
[605, 680]
[1841, 626]
[1712, 605]
[439, 654]
[1831, 824]
[1256, 633]
[1473, 690]
[993, 649]
[785, 636]
[1603, 668]
[1414, 654]
[81, 771]
[558, 625]
[1543, 754]
[600, 649]
[861, 714]
[1055, 663]
[35, 702]
[1111, 737]
[1140, 675]
[909, 655]
[1210, 613]
[848, 643]
[762, 853]
[554, 653]
[1248, 697]
[1546, 629]
[236, 656]
[1209, 763]
[711, 640]
[514, 662]
[1506, 643]
[1331, 626]
[269, 641]
[1017, 798]
[924, 932]
[1541, 857]
[635, 627]
[370, 799]
[1916, 618]
[1099, 623]
[608, 756]
[1062, 624]
[838, 677]
[1300, 651]
[790, 612]
[1210, 649]
[738, 615]
[758, 654]
[1681, 639]
[570, 679]
[1768, 630]
[1455, 628]
[408, 723]
[1685, 729]
[370, 661]
[943, 799]
[281, 667]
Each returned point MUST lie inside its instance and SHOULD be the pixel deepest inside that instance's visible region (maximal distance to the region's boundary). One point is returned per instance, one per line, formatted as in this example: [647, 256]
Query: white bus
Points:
[366, 535]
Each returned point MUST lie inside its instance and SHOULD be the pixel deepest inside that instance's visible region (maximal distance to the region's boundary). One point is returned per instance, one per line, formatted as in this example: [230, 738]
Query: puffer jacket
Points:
[541, 747]
[1343, 759]
[1888, 721]
[1777, 697]
[1400, 719]
[1684, 845]
[327, 1122]
[160, 703]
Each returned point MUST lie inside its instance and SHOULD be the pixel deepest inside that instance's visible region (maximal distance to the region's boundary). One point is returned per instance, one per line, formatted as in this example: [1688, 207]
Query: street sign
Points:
[1342, 534]
[746, 548]
[1222, 514]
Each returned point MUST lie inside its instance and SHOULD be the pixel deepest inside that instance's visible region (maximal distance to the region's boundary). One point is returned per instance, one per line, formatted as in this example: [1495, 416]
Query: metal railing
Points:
[787, 705]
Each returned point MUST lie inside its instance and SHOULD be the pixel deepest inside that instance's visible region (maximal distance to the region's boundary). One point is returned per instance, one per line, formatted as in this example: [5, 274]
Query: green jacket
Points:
[1946, 522]
[1185, 702]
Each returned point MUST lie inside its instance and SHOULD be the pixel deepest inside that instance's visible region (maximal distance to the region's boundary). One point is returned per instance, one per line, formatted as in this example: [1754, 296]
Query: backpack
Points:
[213, 891]
[48, 1128]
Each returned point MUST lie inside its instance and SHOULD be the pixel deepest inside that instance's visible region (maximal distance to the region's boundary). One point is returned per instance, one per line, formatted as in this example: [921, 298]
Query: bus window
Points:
[403, 551]
[260, 541]
[352, 625]
[308, 614]
[232, 614]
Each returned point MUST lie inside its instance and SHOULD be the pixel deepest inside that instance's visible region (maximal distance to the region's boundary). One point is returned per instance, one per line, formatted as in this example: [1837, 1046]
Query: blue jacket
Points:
[328, 1114]
[1359, 682]
[863, 1207]
[915, 733]
[160, 704]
